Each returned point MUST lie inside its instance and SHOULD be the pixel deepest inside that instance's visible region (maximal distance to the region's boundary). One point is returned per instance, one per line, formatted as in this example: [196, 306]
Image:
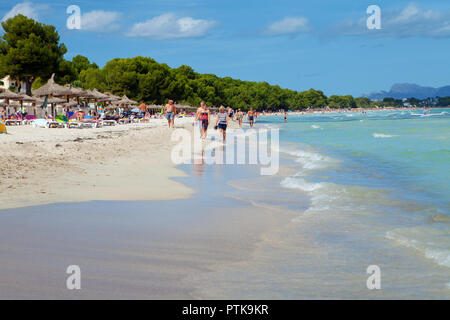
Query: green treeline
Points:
[31, 51]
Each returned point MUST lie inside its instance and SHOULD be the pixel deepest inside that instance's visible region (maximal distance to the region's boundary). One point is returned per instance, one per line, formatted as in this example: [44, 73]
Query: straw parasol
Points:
[125, 100]
[111, 97]
[88, 94]
[52, 88]
[8, 94]
[71, 104]
[52, 101]
[56, 101]
[26, 98]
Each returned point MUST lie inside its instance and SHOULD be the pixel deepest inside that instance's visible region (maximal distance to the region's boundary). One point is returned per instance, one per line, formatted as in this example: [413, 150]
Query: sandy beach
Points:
[125, 247]
[124, 162]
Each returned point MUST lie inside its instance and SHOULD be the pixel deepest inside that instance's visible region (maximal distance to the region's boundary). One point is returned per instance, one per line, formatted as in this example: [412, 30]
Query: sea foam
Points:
[382, 135]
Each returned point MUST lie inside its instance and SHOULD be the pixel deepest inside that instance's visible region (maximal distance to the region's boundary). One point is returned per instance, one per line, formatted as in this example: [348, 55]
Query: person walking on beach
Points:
[230, 113]
[204, 118]
[170, 113]
[197, 119]
[222, 122]
[285, 116]
[143, 109]
[239, 117]
[251, 117]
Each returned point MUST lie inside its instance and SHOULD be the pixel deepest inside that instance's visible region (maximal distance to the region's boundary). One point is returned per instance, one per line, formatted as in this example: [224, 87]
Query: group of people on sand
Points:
[203, 117]
[204, 114]
[251, 116]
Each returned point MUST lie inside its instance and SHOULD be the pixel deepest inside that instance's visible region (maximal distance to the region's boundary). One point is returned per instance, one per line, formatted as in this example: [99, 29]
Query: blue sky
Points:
[322, 44]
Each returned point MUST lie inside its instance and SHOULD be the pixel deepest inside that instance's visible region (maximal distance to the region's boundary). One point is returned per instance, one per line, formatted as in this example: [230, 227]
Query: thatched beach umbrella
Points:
[75, 92]
[155, 108]
[52, 101]
[51, 88]
[26, 98]
[101, 96]
[9, 95]
[88, 94]
[71, 104]
[128, 101]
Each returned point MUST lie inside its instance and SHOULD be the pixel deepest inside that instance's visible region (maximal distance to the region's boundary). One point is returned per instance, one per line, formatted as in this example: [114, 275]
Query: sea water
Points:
[378, 186]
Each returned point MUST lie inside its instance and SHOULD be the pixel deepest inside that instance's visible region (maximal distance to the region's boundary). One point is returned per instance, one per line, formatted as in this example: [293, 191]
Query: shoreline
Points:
[133, 250]
[125, 162]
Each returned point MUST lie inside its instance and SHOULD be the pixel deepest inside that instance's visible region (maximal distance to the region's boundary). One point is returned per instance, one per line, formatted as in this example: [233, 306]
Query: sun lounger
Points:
[109, 123]
[29, 119]
[88, 125]
[124, 121]
[55, 124]
[13, 122]
[42, 123]
[73, 124]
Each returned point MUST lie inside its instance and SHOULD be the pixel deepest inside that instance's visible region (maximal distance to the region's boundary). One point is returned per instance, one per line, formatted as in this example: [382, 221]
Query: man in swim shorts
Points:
[170, 113]
[251, 117]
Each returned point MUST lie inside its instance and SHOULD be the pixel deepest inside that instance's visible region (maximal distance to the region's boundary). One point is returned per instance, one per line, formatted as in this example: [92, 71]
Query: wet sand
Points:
[126, 250]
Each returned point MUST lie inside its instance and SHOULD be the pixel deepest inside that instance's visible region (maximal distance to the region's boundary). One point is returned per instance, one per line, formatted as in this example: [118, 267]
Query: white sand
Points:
[124, 162]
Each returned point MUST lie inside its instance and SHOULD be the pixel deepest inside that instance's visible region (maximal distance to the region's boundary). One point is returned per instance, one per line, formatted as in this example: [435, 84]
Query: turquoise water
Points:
[403, 156]
[378, 185]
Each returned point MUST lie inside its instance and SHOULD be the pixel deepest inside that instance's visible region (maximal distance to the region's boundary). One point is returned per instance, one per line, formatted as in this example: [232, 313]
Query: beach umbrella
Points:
[26, 98]
[52, 101]
[110, 97]
[88, 94]
[101, 96]
[51, 88]
[75, 92]
[8, 94]
[71, 104]
[128, 101]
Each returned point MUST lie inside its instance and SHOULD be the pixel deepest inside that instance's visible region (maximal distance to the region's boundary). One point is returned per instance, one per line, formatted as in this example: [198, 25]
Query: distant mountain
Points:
[410, 90]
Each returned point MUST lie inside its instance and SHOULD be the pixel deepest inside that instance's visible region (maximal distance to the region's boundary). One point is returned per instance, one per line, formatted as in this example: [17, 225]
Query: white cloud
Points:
[25, 8]
[289, 25]
[100, 21]
[169, 26]
[411, 21]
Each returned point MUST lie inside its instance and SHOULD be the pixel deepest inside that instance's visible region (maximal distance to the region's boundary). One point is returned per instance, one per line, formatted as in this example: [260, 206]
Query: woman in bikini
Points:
[239, 117]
